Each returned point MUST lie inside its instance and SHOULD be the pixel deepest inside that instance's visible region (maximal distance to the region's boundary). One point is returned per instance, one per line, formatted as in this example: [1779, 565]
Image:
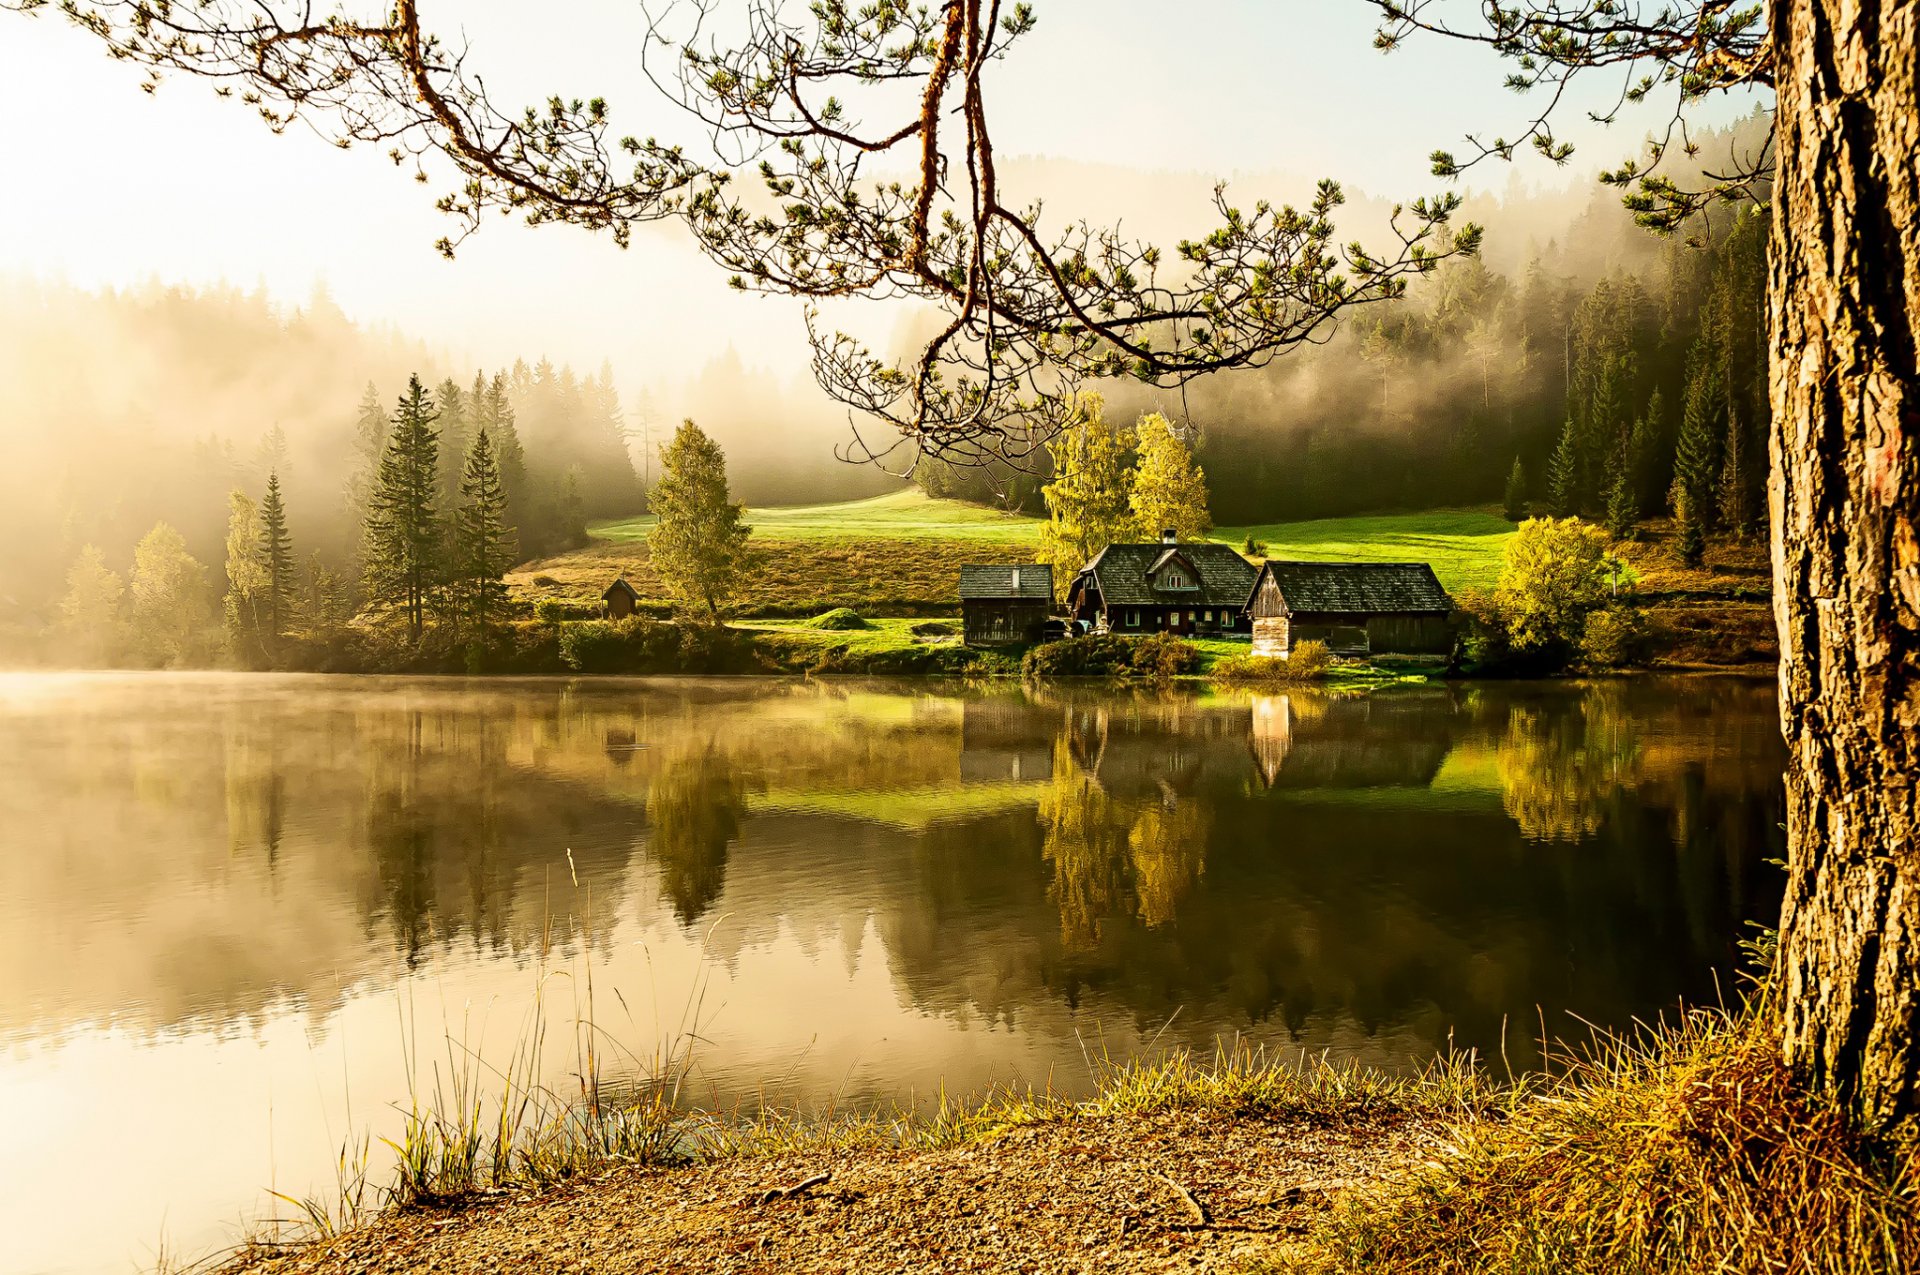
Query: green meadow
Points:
[1463, 545]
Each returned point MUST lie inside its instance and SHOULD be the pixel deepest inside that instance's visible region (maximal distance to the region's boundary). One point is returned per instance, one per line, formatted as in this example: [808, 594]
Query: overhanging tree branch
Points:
[1031, 312]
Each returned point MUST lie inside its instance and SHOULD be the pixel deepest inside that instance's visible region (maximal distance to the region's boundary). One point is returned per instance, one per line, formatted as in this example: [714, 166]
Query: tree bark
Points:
[1844, 498]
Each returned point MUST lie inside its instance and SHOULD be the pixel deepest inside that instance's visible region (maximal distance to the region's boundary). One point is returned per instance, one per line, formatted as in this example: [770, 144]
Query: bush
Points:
[1309, 662]
[560, 610]
[1105, 655]
[935, 629]
[592, 646]
[838, 620]
[1616, 637]
[1556, 573]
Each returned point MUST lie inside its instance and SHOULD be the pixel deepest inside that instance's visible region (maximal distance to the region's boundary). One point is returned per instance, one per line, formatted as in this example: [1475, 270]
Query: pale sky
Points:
[112, 186]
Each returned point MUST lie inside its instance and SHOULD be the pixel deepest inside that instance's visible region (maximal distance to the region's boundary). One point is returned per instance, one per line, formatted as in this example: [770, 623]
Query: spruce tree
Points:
[698, 543]
[1647, 440]
[1623, 502]
[483, 540]
[369, 442]
[1689, 537]
[1696, 460]
[274, 554]
[1515, 506]
[405, 550]
[1735, 495]
[456, 435]
[1563, 475]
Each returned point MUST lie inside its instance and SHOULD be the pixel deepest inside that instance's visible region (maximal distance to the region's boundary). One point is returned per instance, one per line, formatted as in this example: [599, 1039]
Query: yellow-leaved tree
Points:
[1169, 490]
[1088, 501]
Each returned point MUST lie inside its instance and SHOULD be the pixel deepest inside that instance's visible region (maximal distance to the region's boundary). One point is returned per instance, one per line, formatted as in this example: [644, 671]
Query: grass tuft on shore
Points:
[1689, 1147]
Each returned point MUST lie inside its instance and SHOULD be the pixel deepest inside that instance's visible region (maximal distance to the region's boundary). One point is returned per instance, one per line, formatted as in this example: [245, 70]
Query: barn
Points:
[1005, 605]
[1356, 608]
[1168, 587]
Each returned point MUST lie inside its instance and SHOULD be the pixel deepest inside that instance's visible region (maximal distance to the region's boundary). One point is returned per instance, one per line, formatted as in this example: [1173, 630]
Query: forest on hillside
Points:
[1589, 340]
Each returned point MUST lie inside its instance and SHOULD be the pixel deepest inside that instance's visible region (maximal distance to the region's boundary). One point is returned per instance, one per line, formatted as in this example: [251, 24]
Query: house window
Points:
[1133, 619]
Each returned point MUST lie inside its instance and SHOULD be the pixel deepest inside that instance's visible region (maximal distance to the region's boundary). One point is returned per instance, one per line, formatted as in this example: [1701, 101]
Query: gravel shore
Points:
[1185, 1190]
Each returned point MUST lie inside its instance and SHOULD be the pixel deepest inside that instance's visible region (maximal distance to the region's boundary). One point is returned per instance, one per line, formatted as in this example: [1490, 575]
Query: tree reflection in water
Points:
[695, 805]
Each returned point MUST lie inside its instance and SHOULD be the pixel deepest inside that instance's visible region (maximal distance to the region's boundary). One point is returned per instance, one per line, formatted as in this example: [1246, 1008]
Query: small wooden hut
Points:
[621, 599]
[1005, 605]
[1355, 608]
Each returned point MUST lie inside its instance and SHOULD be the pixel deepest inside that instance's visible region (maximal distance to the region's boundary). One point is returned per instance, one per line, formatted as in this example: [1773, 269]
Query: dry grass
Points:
[797, 578]
[1688, 1148]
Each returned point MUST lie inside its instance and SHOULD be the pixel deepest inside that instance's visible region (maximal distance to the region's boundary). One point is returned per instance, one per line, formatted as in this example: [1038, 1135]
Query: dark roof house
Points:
[1003, 604]
[1195, 587]
[1352, 607]
[999, 580]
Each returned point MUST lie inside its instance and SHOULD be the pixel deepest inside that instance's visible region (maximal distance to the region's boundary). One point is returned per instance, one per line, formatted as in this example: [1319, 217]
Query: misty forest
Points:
[900, 647]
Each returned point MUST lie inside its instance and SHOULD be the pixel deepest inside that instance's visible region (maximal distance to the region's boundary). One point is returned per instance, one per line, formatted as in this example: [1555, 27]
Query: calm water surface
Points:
[234, 911]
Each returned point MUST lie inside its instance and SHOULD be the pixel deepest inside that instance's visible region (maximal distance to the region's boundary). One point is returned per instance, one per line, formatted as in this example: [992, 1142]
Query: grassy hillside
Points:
[904, 545]
[1464, 546]
[902, 515]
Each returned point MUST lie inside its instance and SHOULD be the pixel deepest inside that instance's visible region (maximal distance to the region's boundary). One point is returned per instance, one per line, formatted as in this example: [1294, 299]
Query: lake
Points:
[236, 913]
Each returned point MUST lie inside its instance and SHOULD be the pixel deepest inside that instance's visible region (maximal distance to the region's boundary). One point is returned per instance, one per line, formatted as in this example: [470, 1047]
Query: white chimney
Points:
[1016, 579]
[1169, 537]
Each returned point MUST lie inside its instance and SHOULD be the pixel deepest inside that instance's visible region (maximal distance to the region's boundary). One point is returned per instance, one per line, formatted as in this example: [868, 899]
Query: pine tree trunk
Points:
[1844, 296]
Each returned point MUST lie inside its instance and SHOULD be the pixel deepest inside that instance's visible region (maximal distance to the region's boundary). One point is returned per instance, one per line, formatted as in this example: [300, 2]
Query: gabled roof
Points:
[996, 580]
[1122, 571]
[620, 585]
[1359, 588]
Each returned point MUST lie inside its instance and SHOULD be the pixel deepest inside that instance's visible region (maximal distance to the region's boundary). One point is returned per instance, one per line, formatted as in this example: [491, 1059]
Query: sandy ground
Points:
[1177, 1191]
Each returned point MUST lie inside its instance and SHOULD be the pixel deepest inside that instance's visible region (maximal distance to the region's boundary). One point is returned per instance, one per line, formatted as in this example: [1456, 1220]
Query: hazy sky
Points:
[113, 186]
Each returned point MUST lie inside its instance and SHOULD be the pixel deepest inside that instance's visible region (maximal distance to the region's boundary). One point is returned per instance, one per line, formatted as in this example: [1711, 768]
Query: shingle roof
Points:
[1371, 588]
[1226, 578]
[996, 580]
[621, 585]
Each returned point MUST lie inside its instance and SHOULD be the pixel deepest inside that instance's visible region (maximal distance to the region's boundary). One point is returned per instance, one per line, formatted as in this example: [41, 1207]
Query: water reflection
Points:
[890, 887]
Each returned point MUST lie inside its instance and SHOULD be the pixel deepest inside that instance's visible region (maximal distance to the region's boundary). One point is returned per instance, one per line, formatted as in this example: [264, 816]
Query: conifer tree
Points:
[456, 435]
[698, 543]
[91, 622]
[405, 550]
[1689, 537]
[493, 412]
[1647, 441]
[1696, 460]
[370, 429]
[483, 540]
[1735, 495]
[1169, 490]
[246, 582]
[1089, 501]
[1563, 475]
[1515, 505]
[1623, 502]
[274, 555]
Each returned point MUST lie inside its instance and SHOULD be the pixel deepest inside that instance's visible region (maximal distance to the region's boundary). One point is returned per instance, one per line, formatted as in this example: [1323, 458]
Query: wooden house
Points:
[1169, 587]
[621, 599]
[1004, 605]
[1356, 608]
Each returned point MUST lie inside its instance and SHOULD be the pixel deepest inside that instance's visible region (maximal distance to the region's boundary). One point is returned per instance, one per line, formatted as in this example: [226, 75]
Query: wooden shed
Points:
[621, 599]
[1356, 608]
[1005, 605]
